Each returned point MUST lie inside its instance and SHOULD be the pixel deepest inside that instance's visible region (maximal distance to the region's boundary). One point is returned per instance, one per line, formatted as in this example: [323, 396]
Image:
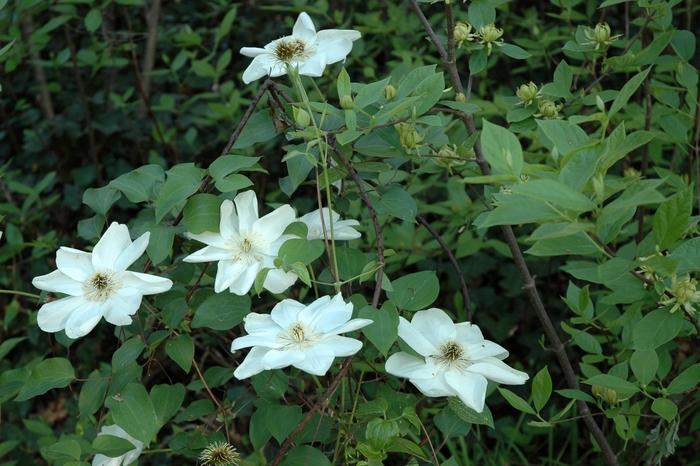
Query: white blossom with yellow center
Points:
[97, 284]
[455, 359]
[307, 50]
[246, 244]
[306, 337]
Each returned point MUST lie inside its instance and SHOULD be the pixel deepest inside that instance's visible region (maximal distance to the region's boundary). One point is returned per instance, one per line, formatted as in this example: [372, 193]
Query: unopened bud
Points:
[601, 33]
[604, 393]
[389, 92]
[301, 117]
[527, 92]
[490, 33]
[631, 172]
[548, 109]
[346, 102]
[408, 136]
[463, 32]
[460, 97]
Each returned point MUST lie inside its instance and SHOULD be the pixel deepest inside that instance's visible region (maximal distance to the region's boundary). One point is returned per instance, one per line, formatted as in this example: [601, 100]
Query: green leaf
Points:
[395, 201]
[644, 364]
[665, 408]
[655, 329]
[481, 13]
[281, 420]
[49, 373]
[501, 149]
[160, 245]
[618, 384]
[513, 51]
[183, 180]
[7, 345]
[541, 388]
[181, 350]
[478, 61]
[343, 83]
[685, 381]
[225, 24]
[93, 20]
[555, 193]
[576, 395]
[133, 411]
[101, 199]
[66, 449]
[627, 92]
[221, 311]
[300, 250]
[415, 291]
[138, 185]
[127, 353]
[111, 446]
[305, 455]
[383, 331]
[467, 414]
[201, 213]
[167, 401]
[92, 394]
[516, 402]
[671, 219]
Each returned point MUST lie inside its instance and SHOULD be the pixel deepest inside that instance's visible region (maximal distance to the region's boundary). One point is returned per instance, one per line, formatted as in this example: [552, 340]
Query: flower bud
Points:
[601, 33]
[527, 92]
[548, 109]
[606, 394]
[490, 33]
[301, 117]
[346, 102]
[408, 136]
[389, 92]
[460, 97]
[631, 172]
[463, 32]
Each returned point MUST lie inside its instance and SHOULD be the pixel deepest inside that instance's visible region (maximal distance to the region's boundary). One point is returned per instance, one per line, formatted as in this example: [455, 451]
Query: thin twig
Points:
[645, 154]
[527, 279]
[44, 94]
[455, 265]
[246, 116]
[149, 58]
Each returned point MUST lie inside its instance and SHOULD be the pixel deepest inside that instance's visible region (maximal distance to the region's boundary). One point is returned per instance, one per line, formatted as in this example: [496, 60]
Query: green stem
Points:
[21, 293]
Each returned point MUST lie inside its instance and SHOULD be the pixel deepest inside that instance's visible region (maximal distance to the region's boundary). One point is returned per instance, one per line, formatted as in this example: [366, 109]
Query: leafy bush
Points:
[330, 264]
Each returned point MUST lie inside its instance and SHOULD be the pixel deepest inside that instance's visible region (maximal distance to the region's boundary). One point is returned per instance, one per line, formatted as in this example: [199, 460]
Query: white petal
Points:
[434, 386]
[209, 238]
[468, 333]
[435, 325]
[317, 360]
[342, 346]
[209, 254]
[102, 460]
[52, 317]
[498, 371]
[108, 249]
[313, 66]
[259, 323]
[267, 340]
[352, 325]
[276, 359]
[331, 35]
[277, 280]
[252, 364]
[304, 28]
[58, 282]
[272, 225]
[227, 272]
[132, 253]
[146, 283]
[485, 349]
[286, 312]
[325, 314]
[121, 307]
[252, 51]
[84, 319]
[247, 210]
[261, 66]
[228, 222]
[405, 365]
[244, 282]
[75, 263]
[415, 339]
[470, 388]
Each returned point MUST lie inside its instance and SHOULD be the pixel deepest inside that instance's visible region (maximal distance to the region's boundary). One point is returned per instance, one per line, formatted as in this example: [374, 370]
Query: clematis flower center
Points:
[297, 336]
[288, 49]
[100, 287]
[249, 249]
[452, 353]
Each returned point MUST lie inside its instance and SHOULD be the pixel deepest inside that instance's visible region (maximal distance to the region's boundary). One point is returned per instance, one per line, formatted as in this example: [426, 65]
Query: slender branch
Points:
[289, 441]
[527, 279]
[44, 95]
[246, 116]
[455, 265]
[645, 154]
[375, 223]
[149, 58]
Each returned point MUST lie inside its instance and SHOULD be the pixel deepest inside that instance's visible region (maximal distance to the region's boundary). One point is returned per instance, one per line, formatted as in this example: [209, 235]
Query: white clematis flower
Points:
[245, 245]
[455, 359]
[342, 229]
[307, 50]
[127, 458]
[98, 284]
[306, 337]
